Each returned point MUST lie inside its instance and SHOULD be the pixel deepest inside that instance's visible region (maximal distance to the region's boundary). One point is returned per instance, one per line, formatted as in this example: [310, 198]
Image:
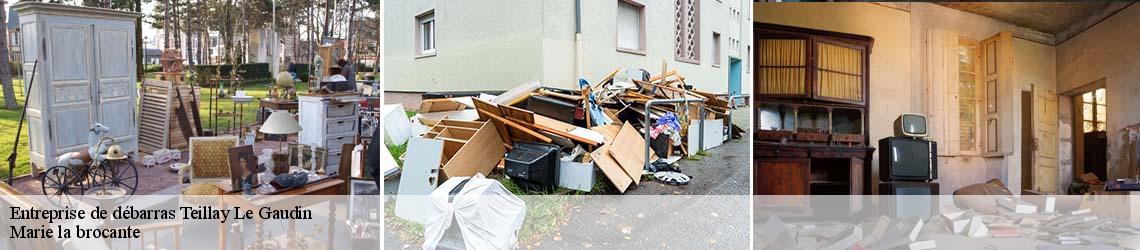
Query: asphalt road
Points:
[711, 212]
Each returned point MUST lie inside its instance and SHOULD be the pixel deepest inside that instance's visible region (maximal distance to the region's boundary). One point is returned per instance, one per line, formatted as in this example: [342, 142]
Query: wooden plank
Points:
[490, 112]
[561, 129]
[611, 168]
[628, 148]
[549, 93]
[486, 111]
[521, 117]
[479, 155]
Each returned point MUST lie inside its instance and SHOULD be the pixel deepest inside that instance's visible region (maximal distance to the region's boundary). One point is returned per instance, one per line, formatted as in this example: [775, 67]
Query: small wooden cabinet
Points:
[784, 169]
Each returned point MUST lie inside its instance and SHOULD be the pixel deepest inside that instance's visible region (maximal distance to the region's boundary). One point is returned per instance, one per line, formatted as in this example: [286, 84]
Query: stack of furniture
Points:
[167, 117]
[328, 121]
[86, 75]
[811, 128]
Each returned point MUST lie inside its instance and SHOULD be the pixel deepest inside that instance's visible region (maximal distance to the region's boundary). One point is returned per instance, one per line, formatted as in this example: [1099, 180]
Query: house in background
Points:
[461, 46]
[1033, 94]
[14, 36]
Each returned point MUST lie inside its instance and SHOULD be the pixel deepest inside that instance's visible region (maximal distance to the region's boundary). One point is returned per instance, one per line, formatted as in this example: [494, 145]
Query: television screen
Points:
[914, 124]
[906, 158]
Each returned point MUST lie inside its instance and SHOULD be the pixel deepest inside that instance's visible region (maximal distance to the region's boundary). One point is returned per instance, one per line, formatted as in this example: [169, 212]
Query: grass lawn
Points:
[257, 91]
[9, 118]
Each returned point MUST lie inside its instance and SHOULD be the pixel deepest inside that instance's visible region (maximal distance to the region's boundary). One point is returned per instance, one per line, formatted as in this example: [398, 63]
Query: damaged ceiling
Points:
[1062, 19]
[1047, 17]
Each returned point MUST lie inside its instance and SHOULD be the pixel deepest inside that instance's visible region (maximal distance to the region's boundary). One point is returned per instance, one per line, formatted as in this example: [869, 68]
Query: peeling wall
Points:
[1110, 49]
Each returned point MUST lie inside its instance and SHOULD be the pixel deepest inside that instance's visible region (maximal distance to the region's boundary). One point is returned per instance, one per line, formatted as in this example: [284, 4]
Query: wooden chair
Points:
[209, 159]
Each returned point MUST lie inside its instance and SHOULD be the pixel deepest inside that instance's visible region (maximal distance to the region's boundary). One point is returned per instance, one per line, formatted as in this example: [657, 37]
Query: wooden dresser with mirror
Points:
[811, 112]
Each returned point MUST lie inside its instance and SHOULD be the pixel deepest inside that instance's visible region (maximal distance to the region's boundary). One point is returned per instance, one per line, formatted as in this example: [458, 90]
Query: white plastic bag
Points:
[487, 214]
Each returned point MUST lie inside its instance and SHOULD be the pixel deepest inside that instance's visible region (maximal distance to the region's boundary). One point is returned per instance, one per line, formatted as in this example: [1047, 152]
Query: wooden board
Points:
[438, 105]
[484, 108]
[522, 117]
[479, 154]
[628, 148]
[611, 168]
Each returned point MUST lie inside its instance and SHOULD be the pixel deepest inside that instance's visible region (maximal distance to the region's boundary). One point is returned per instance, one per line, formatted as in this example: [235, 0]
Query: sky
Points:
[149, 32]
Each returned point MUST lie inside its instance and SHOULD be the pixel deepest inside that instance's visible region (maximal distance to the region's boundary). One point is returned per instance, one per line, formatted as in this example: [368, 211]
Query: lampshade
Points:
[280, 123]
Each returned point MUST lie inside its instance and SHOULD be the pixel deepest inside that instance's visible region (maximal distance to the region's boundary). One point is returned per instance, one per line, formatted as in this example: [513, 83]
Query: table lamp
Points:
[280, 122]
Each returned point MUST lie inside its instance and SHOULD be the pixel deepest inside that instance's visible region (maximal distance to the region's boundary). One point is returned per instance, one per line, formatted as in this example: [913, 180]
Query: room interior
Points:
[1035, 95]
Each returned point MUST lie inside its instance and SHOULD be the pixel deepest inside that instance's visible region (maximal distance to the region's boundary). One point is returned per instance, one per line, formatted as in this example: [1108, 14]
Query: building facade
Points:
[450, 46]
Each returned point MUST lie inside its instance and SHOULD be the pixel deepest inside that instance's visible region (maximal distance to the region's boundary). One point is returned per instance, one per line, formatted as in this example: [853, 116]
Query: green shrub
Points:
[152, 68]
[247, 72]
[302, 70]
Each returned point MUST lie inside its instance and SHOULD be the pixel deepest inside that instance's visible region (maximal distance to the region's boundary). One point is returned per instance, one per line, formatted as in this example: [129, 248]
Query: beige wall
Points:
[1110, 49]
[482, 46]
[898, 68]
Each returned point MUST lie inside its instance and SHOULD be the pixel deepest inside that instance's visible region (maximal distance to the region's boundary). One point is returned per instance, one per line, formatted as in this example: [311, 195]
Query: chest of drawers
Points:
[329, 121]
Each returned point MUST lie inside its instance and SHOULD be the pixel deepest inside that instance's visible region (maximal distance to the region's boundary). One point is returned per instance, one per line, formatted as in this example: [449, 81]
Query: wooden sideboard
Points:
[810, 169]
[811, 107]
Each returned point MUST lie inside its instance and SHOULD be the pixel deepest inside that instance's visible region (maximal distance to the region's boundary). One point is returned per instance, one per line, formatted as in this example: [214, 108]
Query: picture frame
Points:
[243, 163]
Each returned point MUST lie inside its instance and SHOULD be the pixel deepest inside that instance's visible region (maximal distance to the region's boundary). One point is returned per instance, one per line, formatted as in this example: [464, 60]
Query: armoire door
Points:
[114, 63]
[69, 54]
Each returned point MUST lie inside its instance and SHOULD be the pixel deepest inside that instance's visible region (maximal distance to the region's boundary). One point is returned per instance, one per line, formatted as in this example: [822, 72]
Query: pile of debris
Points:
[1054, 222]
[543, 138]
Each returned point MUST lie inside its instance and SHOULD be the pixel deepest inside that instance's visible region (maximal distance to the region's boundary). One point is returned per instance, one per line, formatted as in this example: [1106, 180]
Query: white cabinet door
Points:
[115, 83]
[69, 77]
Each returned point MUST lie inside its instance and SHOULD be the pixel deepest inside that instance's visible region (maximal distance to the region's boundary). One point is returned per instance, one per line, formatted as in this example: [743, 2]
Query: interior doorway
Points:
[1093, 133]
[1090, 126]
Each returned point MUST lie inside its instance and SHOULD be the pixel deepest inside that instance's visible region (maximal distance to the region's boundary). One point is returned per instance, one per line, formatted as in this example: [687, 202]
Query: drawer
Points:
[337, 141]
[340, 126]
[340, 109]
[768, 152]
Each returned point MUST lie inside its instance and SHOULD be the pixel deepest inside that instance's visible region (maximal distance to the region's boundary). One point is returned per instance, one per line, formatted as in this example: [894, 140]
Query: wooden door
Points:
[68, 53]
[781, 176]
[1045, 140]
[114, 83]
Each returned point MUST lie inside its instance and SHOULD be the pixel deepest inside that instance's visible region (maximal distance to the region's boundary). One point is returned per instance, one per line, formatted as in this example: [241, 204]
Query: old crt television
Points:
[907, 159]
[911, 125]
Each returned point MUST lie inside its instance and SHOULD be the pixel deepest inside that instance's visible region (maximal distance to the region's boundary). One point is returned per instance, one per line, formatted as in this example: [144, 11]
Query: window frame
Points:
[1095, 104]
[978, 99]
[716, 49]
[641, 29]
[426, 18]
[696, 6]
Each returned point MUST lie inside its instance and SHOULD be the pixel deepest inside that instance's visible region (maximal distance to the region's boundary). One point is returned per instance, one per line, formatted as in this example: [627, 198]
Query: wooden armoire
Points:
[86, 75]
[811, 111]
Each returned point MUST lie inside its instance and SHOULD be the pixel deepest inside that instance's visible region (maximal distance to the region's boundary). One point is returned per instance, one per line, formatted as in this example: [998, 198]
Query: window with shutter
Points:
[687, 30]
[630, 27]
[969, 99]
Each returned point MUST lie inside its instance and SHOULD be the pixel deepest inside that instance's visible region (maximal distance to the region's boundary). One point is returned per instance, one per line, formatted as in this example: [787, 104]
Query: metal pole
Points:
[646, 125]
[19, 127]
